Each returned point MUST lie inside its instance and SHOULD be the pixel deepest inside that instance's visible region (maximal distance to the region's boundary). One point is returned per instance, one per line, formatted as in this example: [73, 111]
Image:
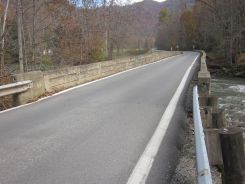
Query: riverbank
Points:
[219, 68]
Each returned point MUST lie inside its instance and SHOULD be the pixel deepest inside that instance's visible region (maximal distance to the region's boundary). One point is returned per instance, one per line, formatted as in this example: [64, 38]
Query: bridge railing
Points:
[15, 88]
[203, 168]
[204, 78]
[217, 144]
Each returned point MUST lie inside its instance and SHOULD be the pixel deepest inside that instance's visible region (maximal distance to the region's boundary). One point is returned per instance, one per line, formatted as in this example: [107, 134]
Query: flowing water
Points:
[231, 93]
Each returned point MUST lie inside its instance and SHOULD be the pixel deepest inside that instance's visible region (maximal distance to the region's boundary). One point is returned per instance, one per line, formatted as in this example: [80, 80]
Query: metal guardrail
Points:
[14, 88]
[203, 168]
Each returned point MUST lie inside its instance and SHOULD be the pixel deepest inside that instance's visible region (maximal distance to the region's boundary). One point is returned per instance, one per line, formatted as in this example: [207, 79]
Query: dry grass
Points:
[7, 101]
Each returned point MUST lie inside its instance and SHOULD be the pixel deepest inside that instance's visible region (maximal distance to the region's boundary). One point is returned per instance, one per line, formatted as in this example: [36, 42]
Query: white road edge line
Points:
[144, 164]
[85, 84]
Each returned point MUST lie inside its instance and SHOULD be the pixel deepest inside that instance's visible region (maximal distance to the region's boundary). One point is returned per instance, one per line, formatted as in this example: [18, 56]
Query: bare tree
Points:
[3, 28]
[222, 26]
[20, 39]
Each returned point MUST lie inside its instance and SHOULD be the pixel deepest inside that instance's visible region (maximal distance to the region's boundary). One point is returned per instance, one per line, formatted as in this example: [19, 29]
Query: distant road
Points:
[94, 134]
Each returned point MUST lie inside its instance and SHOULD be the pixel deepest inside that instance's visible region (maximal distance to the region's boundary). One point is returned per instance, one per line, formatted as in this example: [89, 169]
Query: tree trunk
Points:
[231, 35]
[33, 32]
[20, 39]
[2, 38]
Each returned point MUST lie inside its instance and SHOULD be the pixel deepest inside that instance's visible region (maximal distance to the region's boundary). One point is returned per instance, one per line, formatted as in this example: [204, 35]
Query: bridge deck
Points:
[92, 134]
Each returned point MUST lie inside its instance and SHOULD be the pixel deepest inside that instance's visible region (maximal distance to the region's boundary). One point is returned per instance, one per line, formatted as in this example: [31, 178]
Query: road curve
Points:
[94, 134]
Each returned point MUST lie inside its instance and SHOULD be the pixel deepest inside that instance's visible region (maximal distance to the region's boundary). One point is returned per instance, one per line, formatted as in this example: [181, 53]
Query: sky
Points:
[142, 0]
[122, 1]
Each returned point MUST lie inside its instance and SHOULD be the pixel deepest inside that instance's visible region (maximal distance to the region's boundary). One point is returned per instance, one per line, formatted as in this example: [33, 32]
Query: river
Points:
[231, 93]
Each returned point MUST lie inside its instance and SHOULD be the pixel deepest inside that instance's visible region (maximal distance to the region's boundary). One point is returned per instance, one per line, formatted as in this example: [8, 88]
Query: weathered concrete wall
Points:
[204, 78]
[57, 80]
[38, 87]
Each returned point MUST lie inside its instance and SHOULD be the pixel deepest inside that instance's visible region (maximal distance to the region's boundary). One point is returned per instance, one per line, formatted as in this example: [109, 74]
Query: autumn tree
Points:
[166, 37]
[221, 27]
[189, 30]
[45, 34]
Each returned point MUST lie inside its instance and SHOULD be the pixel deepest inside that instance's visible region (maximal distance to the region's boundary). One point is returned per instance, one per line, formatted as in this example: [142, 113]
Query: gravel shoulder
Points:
[185, 172]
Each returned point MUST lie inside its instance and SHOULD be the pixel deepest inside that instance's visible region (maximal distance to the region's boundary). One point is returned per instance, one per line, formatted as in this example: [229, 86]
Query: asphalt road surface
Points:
[94, 134]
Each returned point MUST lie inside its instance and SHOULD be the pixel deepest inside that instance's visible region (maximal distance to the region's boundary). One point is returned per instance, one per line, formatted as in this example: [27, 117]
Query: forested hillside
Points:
[217, 26]
[43, 34]
[46, 34]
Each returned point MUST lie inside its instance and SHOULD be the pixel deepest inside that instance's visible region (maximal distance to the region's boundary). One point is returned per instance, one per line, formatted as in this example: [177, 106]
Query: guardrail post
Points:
[16, 100]
[218, 119]
[204, 84]
[206, 114]
[232, 146]
[209, 101]
[213, 146]
[211, 115]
